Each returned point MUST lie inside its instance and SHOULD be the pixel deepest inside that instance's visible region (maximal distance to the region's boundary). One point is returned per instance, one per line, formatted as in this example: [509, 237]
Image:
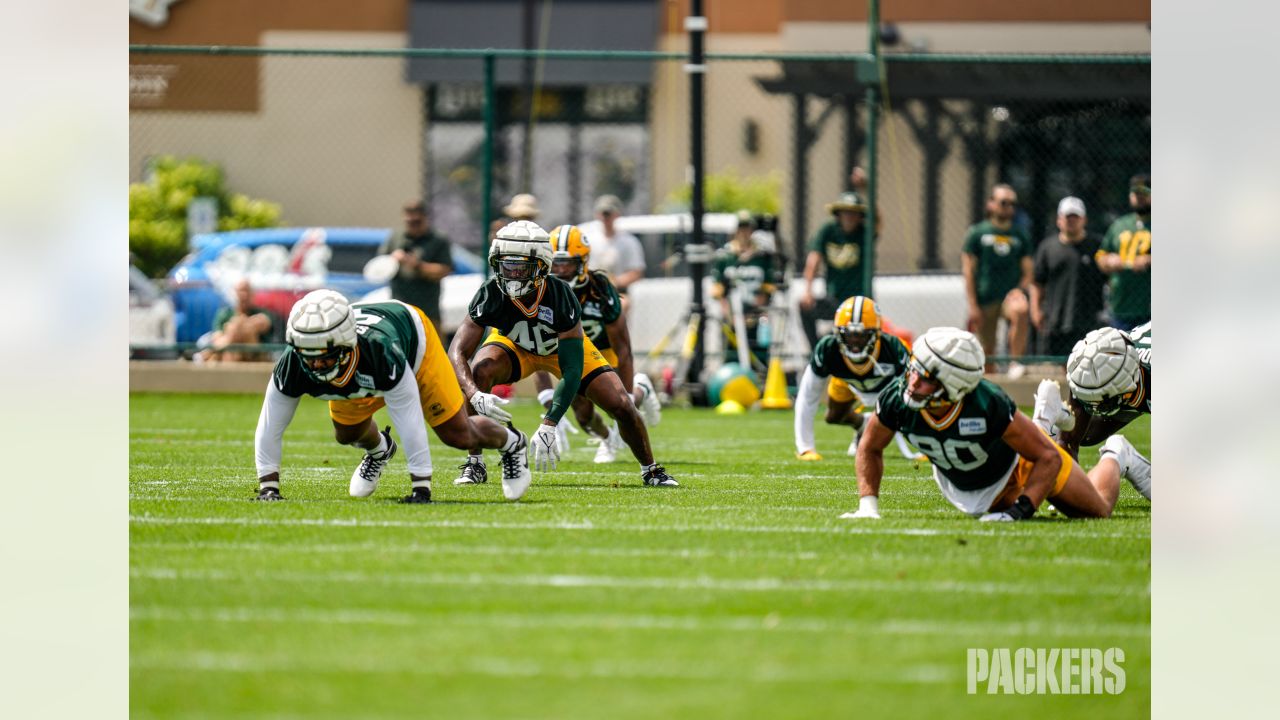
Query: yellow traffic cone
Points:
[775, 388]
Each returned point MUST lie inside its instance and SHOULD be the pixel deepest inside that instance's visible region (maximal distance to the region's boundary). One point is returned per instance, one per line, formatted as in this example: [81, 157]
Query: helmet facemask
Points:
[518, 275]
[857, 342]
[572, 270]
[935, 399]
[325, 365]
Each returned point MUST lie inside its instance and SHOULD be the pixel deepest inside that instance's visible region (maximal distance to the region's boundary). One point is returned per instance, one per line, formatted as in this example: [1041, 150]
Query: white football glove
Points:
[997, 517]
[490, 406]
[546, 451]
[868, 507]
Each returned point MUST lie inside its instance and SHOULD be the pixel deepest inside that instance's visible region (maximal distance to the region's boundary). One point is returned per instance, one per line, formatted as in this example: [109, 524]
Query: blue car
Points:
[280, 274]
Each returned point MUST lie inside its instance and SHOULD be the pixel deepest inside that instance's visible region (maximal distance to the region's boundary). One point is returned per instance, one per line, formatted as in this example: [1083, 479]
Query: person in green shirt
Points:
[1126, 257]
[425, 259]
[997, 265]
[743, 265]
[840, 246]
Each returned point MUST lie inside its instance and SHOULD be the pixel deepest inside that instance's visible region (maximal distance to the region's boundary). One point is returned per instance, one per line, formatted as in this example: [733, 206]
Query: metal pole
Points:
[697, 252]
[486, 169]
[873, 179]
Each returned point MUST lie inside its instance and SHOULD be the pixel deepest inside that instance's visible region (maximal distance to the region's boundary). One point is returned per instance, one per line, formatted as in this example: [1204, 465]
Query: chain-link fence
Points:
[343, 138]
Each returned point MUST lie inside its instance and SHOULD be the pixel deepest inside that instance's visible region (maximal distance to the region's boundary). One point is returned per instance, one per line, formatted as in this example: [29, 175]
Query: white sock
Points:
[422, 484]
[546, 396]
[382, 446]
[512, 439]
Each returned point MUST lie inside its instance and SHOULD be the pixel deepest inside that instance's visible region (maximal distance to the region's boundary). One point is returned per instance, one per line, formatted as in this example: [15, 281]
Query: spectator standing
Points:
[1126, 257]
[743, 265]
[840, 245]
[1066, 289]
[997, 267]
[425, 259]
[617, 252]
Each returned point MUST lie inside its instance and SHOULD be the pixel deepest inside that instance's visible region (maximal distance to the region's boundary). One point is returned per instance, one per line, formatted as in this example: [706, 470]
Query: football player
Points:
[364, 356]
[604, 323]
[537, 326]
[989, 460]
[857, 360]
[1109, 374]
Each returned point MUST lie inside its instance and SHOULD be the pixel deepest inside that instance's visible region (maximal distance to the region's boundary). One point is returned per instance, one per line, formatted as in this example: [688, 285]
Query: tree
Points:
[158, 210]
[727, 192]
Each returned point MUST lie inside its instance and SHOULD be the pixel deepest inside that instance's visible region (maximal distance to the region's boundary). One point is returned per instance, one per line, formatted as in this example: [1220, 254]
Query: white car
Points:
[151, 319]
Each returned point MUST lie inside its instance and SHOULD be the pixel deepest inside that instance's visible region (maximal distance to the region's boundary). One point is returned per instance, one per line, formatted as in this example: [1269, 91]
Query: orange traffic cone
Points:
[775, 388]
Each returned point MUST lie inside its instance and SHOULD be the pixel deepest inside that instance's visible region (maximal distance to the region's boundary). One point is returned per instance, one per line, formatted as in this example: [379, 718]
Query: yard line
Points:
[847, 528]
[702, 582]
[578, 551]
[772, 622]
[638, 669]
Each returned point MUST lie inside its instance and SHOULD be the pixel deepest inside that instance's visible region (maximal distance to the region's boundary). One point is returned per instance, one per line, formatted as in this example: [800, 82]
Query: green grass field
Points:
[740, 594]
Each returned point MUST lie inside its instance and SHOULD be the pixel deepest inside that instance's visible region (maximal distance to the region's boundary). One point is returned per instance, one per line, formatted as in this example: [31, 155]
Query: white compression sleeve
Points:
[405, 407]
[268, 440]
[807, 397]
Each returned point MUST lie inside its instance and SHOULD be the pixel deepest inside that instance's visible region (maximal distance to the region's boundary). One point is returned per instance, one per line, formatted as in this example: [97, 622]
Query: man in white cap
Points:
[1066, 289]
[617, 252]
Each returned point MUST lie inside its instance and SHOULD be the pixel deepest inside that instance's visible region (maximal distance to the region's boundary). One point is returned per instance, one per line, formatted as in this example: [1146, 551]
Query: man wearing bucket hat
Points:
[840, 246]
[425, 259]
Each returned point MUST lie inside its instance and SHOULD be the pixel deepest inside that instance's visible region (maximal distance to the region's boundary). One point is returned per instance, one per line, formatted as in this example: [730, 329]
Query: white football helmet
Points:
[520, 255]
[1102, 369]
[951, 356]
[322, 329]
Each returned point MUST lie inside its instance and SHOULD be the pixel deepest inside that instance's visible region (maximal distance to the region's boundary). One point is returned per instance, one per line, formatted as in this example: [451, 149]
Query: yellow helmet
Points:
[858, 327]
[570, 247]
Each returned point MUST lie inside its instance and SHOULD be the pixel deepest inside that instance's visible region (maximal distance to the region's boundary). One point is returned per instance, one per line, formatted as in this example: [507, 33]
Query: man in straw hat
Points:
[840, 245]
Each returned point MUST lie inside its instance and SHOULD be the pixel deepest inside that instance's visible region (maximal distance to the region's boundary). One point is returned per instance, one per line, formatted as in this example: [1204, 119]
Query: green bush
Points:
[158, 210]
[728, 192]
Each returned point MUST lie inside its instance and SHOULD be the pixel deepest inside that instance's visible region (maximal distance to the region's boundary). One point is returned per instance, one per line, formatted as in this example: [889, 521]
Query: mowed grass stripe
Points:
[772, 622]
[1097, 530]
[666, 583]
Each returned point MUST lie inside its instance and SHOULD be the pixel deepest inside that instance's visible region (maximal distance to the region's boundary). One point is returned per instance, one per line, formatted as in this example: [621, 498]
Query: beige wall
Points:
[344, 135]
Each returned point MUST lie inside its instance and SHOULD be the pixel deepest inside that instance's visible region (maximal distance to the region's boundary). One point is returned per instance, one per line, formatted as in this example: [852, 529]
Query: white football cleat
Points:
[515, 469]
[607, 452]
[365, 479]
[650, 407]
[1050, 414]
[1133, 466]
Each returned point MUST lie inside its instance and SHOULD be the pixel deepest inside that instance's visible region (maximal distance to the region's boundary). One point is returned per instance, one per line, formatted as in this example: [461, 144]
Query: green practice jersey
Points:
[999, 256]
[966, 444]
[601, 307]
[388, 344]
[890, 355]
[748, 276]
[538, 332]
[1129, 237]
[843, 254]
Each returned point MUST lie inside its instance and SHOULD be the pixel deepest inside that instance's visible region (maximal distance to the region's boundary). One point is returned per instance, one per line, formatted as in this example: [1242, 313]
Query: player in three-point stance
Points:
[860, 361]
[604, 323]
[989, 460]
[1109, 374]
[537, 326]
[360, 358]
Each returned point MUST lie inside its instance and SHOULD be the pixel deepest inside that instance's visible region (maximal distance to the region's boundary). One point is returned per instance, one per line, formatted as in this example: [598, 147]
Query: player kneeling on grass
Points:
[860, 361]
[989, 459]
[536, 326]
[605, 324]
[1109, 373]
[360, 358]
